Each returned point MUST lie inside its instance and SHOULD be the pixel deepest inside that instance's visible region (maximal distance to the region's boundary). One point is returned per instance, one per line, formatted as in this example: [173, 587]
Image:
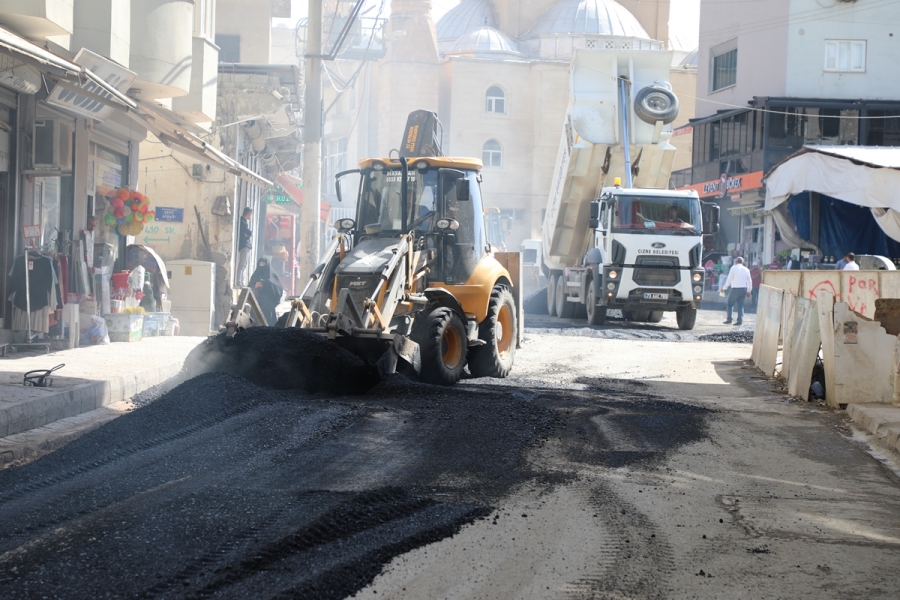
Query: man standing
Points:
[851, 263]
[245, 245]
[738, 284]
[756, 281]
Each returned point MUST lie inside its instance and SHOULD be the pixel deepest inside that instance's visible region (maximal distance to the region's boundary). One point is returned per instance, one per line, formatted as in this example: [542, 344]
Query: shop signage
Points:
[278, 196]
[727, 185]
[169, 214]
[116, 75]
[19, 76]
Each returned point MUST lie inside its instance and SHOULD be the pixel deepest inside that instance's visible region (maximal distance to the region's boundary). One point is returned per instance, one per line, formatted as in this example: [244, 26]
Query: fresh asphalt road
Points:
[646, 467]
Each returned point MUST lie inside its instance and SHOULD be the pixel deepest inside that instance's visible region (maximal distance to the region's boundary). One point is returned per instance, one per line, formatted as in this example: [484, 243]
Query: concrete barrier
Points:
[825, 309]
[805, 348]
[768, 329]
[789, 326]
[858, 289]
[863, 359]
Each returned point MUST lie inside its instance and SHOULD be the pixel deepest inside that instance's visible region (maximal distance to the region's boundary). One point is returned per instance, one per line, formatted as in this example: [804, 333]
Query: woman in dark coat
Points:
[267, 288]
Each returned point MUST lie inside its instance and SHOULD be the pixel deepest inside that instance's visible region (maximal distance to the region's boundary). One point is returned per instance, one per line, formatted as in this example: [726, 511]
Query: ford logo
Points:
[658, 245]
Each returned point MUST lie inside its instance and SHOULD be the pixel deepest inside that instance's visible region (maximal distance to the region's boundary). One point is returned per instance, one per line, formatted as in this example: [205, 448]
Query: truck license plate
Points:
[656, 296]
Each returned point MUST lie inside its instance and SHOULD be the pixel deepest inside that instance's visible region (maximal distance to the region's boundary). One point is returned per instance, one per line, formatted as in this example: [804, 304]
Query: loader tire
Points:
[686, 318]
[495, 358]
[564, 308]
[596, 315]
[551, 296]
[655, 316]
[441, 335]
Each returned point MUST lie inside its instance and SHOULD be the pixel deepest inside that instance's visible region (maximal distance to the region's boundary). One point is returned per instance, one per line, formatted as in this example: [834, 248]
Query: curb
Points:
[881, 420]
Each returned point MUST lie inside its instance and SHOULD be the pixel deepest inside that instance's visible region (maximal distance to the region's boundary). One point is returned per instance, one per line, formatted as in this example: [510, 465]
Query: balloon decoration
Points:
[128, 211]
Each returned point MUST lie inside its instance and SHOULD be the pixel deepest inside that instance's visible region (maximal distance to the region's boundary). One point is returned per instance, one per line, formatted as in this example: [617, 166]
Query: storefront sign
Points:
[744, 210]
[113, 74]
[171, 215]
[278, 196]
[19, 76]
[727, 185]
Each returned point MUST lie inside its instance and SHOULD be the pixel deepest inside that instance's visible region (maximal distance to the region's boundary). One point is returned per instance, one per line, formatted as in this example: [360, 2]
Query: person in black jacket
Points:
[245, 245]
[267, 288]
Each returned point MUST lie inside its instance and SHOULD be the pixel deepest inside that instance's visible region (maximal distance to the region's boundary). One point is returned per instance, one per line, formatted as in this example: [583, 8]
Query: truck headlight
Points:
[697, 276]
[613, 274]
[610, 286]
[698, 289]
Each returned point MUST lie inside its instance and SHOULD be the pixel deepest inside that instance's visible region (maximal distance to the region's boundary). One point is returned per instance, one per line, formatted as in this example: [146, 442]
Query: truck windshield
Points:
[380, 206]
[657, 214]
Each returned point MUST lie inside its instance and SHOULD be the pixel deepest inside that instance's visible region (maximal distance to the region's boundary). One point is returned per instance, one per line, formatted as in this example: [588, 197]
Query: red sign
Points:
[727, 185]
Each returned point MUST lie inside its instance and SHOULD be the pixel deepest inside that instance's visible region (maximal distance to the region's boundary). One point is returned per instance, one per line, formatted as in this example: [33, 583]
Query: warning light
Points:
[617, 182]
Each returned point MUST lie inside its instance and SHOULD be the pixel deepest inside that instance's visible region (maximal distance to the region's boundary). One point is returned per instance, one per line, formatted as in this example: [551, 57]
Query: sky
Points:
[683, 23]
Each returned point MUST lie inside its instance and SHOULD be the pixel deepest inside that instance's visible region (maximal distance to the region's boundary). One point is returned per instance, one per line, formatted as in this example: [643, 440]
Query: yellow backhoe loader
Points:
[411, 284]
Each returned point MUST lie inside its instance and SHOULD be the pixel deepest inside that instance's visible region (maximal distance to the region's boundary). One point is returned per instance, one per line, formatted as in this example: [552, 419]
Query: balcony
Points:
[161, 47]
[199, 106]
[104, 26]
[38, 19]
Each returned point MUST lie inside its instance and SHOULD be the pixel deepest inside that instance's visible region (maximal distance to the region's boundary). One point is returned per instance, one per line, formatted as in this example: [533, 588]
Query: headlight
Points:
[610, 286]
[345, 224]
[613, 274]
[698, 276]
[698, 289]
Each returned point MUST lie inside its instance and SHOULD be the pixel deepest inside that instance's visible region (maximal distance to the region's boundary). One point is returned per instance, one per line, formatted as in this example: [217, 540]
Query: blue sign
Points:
[172, 215]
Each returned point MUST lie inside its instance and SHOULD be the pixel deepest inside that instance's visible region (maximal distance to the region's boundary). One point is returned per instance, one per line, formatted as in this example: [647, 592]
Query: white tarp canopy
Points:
[862, 175]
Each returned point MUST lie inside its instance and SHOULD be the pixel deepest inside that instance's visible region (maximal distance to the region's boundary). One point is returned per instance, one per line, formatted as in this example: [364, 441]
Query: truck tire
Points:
[551, 295]
[656, 103]
[596, 315]
[564, 308]
[686, 317]
[441, 335]
[495, 358]
[640, 316]
[655, 316]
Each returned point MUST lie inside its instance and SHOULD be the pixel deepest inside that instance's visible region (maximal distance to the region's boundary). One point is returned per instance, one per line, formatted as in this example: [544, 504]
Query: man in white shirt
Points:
[851, 263]
[738, 283]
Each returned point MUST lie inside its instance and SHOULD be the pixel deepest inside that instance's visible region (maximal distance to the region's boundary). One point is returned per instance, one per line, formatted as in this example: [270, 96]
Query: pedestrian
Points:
[738, 283]
[839, 265]
[756, 280]
[851, 263]
[245, 245]
[267, 288]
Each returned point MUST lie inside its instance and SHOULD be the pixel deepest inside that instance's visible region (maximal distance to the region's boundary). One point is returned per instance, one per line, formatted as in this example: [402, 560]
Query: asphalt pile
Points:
[284, 358]
[735, 336]
[535, 303]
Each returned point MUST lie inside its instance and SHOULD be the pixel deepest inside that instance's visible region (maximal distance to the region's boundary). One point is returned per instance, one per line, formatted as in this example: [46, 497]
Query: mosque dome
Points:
[485, 42]
[588, 17]
[465, 18]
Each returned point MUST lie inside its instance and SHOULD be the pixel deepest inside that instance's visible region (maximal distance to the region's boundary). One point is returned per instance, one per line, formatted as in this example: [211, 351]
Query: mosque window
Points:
[492, 154]
[496, 100]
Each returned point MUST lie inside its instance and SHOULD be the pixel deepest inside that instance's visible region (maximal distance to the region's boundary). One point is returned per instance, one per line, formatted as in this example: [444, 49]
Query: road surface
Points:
[604, 468]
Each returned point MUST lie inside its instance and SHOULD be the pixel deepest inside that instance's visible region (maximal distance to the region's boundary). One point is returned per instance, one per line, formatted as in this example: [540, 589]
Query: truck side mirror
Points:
[598, 207]
[713, 225]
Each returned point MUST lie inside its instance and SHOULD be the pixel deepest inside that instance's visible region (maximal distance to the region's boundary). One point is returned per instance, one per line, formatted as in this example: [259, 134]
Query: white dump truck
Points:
[636, 248]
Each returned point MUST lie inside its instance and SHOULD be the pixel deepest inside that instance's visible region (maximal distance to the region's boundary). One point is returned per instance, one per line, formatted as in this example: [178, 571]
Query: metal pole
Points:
[312, 142]
[623, 96]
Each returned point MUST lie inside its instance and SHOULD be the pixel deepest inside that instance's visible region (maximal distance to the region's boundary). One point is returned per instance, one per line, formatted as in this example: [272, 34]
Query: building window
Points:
[845, 56]
[496, 100]
[335, 161]
[492, 154]
[724, 70]
[229, 48]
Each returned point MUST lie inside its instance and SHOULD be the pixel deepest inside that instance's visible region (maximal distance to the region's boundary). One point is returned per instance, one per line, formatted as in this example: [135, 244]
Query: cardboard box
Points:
[88, 307]
[125, 327]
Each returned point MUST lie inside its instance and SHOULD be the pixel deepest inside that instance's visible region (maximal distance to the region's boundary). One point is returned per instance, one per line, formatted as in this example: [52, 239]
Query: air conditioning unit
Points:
[51, 146]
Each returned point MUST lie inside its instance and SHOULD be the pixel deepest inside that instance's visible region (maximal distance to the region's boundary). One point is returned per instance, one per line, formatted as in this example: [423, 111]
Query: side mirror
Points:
[462, 190]
[598, 207]
[713, 225]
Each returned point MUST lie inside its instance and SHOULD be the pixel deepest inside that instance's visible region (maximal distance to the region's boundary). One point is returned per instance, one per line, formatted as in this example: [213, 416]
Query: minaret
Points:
[408, 76]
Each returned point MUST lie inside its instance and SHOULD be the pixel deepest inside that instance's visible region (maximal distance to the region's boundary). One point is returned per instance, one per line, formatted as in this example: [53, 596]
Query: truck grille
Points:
[656, 272]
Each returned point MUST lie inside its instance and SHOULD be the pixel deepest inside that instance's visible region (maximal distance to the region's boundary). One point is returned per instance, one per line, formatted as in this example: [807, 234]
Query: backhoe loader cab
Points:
[412, 283]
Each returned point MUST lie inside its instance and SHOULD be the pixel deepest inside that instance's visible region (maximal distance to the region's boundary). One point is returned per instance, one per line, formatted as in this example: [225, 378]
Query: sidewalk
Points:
[881, 420]
[95, 377]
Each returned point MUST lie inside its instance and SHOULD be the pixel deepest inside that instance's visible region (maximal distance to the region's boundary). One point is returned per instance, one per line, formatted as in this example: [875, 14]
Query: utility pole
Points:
[312, 142]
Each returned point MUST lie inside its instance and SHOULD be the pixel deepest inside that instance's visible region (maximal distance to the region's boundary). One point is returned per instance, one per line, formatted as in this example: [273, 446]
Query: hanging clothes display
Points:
[43, 295]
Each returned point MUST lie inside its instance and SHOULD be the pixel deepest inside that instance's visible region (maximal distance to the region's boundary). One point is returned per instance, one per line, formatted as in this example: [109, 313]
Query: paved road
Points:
[605, 468]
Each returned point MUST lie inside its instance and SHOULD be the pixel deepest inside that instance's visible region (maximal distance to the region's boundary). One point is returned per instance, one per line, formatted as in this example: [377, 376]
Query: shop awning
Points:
[61, 68]
[862, 175]
[865, 180]
[182, 138]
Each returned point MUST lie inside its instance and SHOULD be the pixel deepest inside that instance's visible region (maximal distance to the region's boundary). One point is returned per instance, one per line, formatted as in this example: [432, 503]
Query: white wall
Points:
[760, 28]
[872, 20]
